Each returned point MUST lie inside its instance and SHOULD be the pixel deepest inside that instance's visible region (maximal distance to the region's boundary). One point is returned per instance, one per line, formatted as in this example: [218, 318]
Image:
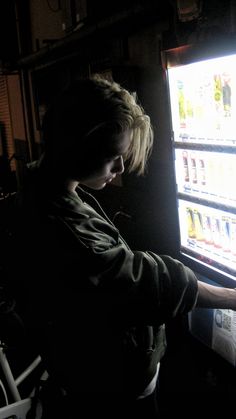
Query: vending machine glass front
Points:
[203, 114]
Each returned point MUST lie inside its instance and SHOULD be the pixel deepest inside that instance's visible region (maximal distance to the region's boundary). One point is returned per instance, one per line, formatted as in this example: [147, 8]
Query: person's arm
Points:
[210, 296]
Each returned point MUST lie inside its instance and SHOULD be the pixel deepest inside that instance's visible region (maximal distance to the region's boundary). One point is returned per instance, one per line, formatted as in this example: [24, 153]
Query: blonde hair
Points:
[94, 104]
[130, 115]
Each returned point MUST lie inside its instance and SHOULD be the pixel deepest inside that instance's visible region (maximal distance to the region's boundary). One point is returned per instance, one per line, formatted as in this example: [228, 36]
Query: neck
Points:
[70, 185]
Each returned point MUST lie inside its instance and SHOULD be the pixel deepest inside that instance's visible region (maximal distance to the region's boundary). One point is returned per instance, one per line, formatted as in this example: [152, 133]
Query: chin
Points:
[96, 187]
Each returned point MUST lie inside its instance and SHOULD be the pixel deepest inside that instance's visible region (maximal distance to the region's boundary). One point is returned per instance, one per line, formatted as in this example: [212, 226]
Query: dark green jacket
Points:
[96, 307]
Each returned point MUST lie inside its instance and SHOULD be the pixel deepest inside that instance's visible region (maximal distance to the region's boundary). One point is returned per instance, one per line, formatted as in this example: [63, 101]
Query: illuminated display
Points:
[203, 114]
[209, 235]
[203, 101]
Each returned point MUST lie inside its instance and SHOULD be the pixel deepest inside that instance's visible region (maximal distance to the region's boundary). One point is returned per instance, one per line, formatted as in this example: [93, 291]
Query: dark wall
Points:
[8, 32]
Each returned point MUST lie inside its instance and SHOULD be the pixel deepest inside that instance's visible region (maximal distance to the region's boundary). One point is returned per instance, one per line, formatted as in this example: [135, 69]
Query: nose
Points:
[118, 166]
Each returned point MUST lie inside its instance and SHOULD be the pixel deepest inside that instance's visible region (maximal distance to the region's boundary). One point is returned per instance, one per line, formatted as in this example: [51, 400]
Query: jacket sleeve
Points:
[89, 264]
[180, 285]
[149, 287]
[141, 286]
[78, 259]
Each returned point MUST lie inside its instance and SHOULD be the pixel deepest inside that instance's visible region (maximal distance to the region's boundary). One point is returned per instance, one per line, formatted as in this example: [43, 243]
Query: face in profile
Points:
[101, 160]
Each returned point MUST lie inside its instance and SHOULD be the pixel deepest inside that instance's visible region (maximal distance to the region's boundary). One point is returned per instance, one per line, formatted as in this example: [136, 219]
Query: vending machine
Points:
[201, 83]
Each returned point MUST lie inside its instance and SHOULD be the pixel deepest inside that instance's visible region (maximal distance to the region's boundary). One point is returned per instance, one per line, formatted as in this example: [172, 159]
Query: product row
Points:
[203, 101]
[209, 232]
[207, 175]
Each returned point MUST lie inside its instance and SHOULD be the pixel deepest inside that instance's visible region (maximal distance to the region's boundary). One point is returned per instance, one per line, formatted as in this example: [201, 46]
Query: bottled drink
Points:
[202, 171]
[226, 91]
[216, 232]
[193, 168]
[207, 229]
[225, 224]
[198, 225]
[185, 164]
[190, 224]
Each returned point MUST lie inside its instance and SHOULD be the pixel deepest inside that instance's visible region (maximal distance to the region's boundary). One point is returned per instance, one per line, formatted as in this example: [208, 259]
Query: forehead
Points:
[119, 143]
[109, 144]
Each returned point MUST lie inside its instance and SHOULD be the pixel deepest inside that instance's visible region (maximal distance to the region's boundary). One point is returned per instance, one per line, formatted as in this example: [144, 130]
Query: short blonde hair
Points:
[95, 103]
[130, 115]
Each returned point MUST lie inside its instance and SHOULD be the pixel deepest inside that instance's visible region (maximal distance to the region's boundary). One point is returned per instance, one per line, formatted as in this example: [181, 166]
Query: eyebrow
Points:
[117, 150]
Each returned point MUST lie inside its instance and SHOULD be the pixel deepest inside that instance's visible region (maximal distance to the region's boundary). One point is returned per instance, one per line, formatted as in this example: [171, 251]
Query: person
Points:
[96, 309]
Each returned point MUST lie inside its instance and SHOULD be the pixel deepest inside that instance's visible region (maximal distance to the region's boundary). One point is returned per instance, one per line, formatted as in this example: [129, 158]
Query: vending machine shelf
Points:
[214, 202]
[207, 174]
[220, 148]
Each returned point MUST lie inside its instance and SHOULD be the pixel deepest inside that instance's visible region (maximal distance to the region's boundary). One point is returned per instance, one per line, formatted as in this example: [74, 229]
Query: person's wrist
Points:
[233, 299]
